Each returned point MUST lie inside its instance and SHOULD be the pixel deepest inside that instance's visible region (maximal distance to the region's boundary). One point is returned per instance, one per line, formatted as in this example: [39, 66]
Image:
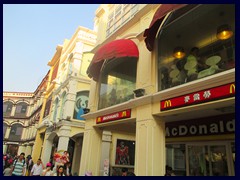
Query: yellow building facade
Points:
[155, 101]
[66, 98]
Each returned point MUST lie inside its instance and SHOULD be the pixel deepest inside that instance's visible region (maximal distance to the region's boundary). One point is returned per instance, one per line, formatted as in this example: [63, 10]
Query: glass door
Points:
[207, 160]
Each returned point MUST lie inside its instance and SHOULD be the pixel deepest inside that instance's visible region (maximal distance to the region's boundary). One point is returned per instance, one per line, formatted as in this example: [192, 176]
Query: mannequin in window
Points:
[122, 156]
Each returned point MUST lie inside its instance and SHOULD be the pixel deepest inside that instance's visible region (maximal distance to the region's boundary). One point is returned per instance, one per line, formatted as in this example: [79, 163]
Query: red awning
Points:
[158, 17]
[115, 49]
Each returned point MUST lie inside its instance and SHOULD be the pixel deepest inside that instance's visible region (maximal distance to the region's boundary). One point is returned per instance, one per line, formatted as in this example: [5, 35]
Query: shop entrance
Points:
[207, 160]
[202, 159]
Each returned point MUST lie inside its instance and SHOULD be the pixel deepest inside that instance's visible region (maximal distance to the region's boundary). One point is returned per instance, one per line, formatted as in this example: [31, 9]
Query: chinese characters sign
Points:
[215, 93]
[114, 116]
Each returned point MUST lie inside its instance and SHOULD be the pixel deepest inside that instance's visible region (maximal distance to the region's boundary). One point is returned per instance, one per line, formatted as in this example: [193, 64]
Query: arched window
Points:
[189, 47]
[16, 132]
[4, 129]
[21, 109]
[117, 83]
[7, 108]
[47, 108]
[55, 110]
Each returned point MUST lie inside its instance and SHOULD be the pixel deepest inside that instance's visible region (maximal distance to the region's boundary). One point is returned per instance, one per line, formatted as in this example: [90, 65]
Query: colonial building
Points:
[162, 91]
[21, 113]
[66, 99]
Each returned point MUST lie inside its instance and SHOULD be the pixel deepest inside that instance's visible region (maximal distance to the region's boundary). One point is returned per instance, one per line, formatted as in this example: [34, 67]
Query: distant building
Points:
[21, 114]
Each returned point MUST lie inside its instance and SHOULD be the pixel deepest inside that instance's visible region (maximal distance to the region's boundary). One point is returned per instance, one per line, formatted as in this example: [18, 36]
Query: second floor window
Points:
[189, 46]
[7, 108]
[120, 14]
[21, 109]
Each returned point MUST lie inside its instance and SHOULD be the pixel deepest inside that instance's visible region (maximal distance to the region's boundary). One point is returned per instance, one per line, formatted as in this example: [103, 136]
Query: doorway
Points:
[201, 159]
[208, 159]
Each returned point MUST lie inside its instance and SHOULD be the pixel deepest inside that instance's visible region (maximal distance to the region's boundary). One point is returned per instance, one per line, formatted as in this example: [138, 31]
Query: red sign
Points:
[114, 116]
[215, 93]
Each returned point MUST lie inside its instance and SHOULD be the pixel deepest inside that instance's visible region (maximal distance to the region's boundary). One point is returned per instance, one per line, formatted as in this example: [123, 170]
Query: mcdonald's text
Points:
[114, 116]
[220, 92]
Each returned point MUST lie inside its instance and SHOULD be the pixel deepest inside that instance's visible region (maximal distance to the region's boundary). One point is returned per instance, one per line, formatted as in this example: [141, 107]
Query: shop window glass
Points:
[7, 108]
[119, 16]
[21, 109]
[195, 32]
[118, 80]
[175, 158]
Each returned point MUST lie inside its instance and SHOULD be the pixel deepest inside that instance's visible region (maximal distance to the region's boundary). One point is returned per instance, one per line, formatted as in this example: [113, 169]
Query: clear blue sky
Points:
[31, 33]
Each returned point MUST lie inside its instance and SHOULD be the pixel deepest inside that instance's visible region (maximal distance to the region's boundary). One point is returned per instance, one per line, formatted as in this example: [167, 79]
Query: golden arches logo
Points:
[124, 114]
[98, 119]
[232, 88]
[167, 103]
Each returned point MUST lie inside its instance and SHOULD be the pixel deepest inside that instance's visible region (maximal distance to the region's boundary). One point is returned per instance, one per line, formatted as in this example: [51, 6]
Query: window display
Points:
[197, 33]
[125, 152]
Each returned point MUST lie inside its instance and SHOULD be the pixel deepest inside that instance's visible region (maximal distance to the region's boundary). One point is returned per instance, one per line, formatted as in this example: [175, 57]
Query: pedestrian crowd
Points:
[21, 166]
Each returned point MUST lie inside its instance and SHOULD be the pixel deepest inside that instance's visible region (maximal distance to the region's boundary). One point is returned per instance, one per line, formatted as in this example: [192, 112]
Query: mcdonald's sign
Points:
[114, 116]
[215, 93]
[232, 89]
[167, 103]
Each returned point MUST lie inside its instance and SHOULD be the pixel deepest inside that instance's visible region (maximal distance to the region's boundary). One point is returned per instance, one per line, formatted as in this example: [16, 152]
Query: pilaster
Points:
[105, 157]
[91, 152]
[150, 144]
[64, 135]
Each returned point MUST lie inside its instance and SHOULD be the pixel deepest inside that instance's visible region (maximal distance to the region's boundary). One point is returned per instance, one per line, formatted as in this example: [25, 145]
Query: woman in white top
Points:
[60, 171]
[47, 171]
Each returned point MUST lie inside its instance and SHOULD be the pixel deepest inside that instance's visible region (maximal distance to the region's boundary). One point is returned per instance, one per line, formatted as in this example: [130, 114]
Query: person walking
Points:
[47, 171]
[68, 169]
[60, 171]
[37, 168]
[169, 171]
[7, 171]
[124, 171]
[19, 166]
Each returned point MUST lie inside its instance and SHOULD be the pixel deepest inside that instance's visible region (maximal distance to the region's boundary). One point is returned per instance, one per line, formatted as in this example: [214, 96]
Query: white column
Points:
[46, 152]
[150, 147]
[13, 110]
[105, 156]
[4, 148]
[28, 150]
[7, 132]
[64, 135]
[63, 143]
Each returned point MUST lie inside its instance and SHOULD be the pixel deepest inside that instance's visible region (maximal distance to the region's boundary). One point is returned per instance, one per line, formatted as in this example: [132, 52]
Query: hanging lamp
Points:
[224, 32]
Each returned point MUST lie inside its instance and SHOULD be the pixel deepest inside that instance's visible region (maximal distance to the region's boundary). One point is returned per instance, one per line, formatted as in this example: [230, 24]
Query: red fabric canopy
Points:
[115, 49]
[158, 17]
